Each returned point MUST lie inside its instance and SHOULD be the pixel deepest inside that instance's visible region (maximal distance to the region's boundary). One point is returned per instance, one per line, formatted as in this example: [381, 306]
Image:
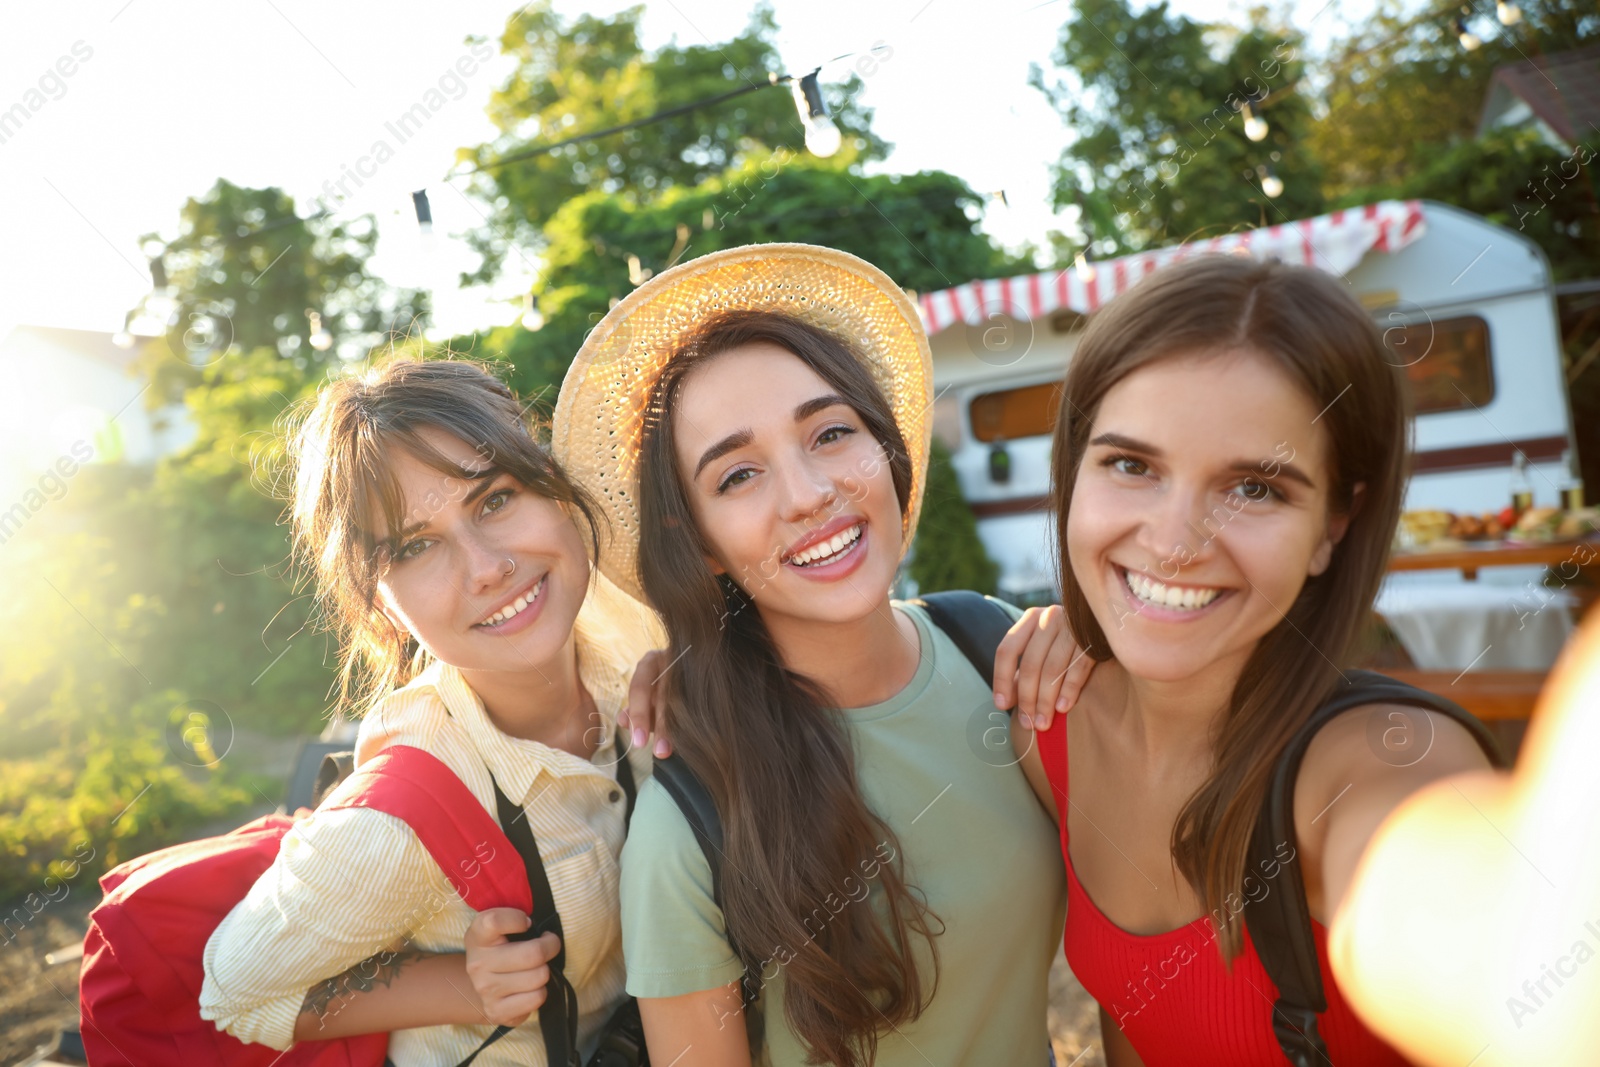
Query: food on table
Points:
[1436, 528]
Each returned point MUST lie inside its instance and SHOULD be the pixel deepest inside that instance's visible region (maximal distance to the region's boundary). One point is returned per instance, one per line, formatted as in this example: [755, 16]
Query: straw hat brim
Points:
[599, 416]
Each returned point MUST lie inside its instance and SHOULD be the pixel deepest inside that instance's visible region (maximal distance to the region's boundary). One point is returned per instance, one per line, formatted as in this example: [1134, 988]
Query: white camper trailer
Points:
[1466, 306]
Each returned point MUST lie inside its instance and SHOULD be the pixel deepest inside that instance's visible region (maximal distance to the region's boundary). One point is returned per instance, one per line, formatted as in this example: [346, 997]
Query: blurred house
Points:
[1556, 94]
[68, 391]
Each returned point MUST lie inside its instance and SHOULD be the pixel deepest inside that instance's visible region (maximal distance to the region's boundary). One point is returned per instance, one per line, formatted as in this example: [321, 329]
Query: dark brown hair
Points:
[771, 749]
[1306, 323]
[342, 444]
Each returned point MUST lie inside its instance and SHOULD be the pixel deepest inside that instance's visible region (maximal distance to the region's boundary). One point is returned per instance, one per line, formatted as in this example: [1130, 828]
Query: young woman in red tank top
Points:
[1229, 466]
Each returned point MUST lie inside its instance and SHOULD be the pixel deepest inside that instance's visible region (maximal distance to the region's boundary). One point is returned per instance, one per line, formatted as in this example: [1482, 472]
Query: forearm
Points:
[391, 991]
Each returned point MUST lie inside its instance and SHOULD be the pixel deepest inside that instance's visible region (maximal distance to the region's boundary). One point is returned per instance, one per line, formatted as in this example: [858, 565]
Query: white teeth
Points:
[831, 547]
[514, 608]
[1184, 598]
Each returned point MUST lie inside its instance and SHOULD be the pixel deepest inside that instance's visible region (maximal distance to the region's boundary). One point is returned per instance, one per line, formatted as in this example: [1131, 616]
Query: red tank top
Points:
[1171, 994]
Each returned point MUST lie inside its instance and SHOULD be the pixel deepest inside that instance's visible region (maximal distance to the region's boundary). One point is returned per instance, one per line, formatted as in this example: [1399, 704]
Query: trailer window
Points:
[1446, 362]
[1029, 411]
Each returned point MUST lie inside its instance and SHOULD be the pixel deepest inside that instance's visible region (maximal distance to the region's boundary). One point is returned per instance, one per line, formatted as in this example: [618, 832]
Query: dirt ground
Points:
[36, 1000]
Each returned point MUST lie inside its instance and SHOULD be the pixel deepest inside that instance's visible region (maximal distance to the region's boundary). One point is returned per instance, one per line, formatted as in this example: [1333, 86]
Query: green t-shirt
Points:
[935, 763]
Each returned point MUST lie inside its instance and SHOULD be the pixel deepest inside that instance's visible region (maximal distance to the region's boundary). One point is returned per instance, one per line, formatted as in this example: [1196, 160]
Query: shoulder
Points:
[674, 937]
[415, 714]
[661, 846]
[1384, 750]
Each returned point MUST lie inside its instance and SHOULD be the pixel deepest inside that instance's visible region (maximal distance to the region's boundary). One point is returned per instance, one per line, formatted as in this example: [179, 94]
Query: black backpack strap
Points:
[694, 800]
[630, 788]
[1280, 922]
[974, 622]
[558, 1015]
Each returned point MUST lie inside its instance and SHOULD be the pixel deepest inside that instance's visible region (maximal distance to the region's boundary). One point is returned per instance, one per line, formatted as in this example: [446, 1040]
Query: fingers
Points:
[641, 710]
[1081, 665]
[514, 1010]
[1007, 656]
[511, 977]
[1030, 668]
[494, 926]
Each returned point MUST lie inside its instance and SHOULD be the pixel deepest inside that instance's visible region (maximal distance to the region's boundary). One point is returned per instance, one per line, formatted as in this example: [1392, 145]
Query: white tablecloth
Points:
[1449, 624]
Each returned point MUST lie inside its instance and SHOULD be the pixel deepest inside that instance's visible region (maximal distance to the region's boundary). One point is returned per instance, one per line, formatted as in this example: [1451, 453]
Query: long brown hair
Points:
[340, 461]
[1315, 331]
[772, 751]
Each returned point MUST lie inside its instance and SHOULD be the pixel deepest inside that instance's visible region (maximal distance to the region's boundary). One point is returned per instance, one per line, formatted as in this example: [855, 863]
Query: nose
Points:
[483, 563]
[807, 490]
[1182, 526]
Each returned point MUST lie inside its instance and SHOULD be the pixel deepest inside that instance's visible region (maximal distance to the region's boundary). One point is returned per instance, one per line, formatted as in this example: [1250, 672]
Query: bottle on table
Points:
[1571, 482]
[1521, 484]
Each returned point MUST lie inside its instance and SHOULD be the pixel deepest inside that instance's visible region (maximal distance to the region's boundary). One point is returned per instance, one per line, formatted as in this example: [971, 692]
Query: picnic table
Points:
[1489, 646]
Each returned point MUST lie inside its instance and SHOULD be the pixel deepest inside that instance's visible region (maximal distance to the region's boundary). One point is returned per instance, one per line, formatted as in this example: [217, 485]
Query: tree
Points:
[592, 74]
[1401, 90]
[244, 269]
[920, 229]
[1161, 153]
[947, 553]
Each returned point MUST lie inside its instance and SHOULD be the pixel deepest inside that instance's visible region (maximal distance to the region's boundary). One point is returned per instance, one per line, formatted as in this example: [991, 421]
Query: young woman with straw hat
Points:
[755, 425]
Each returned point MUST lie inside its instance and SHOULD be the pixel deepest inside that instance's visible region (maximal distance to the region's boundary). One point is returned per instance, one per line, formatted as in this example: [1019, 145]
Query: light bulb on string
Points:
[1271, 184]
[1509, 14]
[1255, 127]
[531, 319]
[1083, 265]
[822, 136]
[320, 338]
[1469, 40]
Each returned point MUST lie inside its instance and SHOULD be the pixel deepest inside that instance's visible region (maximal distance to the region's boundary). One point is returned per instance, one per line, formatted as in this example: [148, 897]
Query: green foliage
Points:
[244, 269]
[919, 228]
[946, 552]
[591, 73]
[1401, 89]
[1156, 100]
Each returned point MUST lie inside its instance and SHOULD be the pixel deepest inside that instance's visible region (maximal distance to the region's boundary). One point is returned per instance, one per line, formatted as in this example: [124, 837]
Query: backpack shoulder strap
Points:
[974, 622]
[459, 833]
[694, 800]
[1280, 922]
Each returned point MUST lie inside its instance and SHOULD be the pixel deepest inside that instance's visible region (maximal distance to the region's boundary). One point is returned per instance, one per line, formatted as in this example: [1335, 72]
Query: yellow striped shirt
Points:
[350, 883]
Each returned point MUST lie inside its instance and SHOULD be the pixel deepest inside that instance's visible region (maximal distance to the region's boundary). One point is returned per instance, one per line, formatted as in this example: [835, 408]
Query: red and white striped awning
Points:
[1334, 243]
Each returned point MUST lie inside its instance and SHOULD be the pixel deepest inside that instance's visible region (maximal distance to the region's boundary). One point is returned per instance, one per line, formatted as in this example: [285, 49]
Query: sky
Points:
[165, 96]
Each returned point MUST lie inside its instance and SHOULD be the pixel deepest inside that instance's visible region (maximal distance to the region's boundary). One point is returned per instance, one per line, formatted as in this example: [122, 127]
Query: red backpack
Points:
[139, 990]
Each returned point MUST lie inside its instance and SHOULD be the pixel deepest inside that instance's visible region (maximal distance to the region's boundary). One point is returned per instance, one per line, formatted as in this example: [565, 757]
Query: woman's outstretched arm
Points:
[1471, 926]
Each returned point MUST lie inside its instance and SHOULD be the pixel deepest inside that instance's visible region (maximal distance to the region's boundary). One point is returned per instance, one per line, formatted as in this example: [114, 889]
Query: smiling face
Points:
[791, 492]
[1199, 510]
[484, 573]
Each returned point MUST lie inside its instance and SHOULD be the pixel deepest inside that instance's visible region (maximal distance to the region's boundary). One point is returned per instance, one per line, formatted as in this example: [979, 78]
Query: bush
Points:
[947, 553]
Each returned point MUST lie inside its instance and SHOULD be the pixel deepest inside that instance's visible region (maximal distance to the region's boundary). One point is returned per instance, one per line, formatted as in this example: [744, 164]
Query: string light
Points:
[822, 136]
[1255, 127]
[1509, 14]
[1271, 184]
[1469, 40]
[1083, 266]
[531, 319]
[419, 202]
[321, 339]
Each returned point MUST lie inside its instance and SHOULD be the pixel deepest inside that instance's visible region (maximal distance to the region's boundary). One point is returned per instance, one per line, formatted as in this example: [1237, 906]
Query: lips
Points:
[827, 540]
[516, 605]
[1169, 597]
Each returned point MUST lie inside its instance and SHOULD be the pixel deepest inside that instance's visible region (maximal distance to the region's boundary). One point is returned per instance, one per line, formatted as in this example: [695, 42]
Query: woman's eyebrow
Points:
[1127, 444]
[741, 438]
[483, 478]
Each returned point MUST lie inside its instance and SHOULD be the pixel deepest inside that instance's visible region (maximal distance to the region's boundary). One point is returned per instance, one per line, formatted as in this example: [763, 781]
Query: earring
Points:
[512, 568]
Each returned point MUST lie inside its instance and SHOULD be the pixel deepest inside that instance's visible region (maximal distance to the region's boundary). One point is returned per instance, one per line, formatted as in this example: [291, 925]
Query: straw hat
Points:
[599, 417]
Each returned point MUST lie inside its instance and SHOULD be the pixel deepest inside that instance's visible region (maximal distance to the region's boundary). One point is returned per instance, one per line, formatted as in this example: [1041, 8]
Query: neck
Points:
[1174, 720]
[858, 663]
[546, 703]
